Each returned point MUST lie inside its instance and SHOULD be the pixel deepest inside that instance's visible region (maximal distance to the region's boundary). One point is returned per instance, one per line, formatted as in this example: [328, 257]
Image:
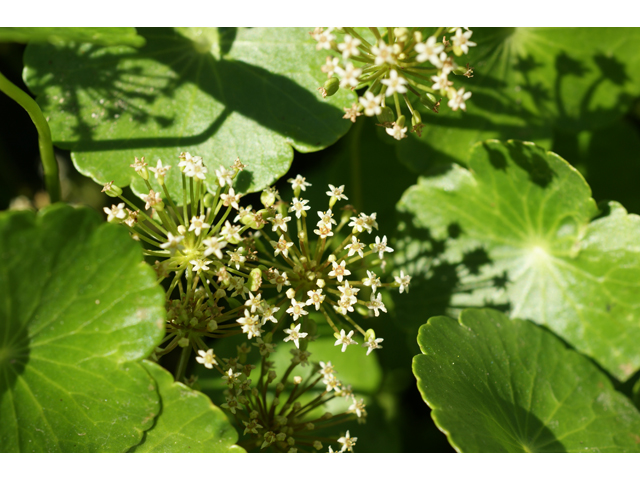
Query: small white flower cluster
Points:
[391, 64]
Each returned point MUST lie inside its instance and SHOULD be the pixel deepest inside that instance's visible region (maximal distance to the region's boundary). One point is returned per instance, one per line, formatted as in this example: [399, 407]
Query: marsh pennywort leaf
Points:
[79, 307]
[502, 385]
[95, 35]
[188, 421]
[527, 80]
[520, 230]
[217, 93]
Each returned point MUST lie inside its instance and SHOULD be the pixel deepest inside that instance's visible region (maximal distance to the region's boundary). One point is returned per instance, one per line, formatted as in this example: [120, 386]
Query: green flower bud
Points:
[330, 87]
[282, 208]
[255, 280]
[208, 200]
[112, 190]
[369, 335]
[386, 116]
[268, 197]
[430, 101]
[416, 119]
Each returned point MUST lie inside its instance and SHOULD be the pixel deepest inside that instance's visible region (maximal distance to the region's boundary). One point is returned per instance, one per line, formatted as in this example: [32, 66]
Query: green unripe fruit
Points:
[386, 116]
[401, 121]
[208, 200]
[330, 87]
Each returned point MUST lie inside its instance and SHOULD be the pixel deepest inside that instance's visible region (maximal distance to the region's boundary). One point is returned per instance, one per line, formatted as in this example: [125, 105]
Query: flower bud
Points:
[255, 280]
[429, 101]
[268, 197]
[330, 87]
[386, 116]
[112, 190]
[208, 200]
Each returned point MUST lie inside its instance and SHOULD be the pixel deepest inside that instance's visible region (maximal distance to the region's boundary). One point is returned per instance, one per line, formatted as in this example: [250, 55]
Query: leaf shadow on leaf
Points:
[120, 88]
[436, 281]
[527, 111]
[14, 354]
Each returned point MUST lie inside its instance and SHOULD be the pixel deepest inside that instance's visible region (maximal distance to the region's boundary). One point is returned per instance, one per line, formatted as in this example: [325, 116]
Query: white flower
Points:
[294, 334]
[138, 165]
[358, 224]
[348, 76]
[380, 247]
[326, 368]
[231, 198]
[373, 281]
[358, 408]
[347, 442]
[332, 383]
[267, 313]
[224, 176]
[458, 98]
[250, 325]
[369, 221]
[299, 182]
[345, 340]
[428, 50]
[355, 247]
[337, 193]
[173, 243]
[326, 218]
[441, 82]
[396, 131]
[376, 304]
[159, 170]
[403, 281]
[461, 40]
[254, 302]
[372, 344]
[384, 53]
[280, 280]
[116, 211]
[371, 104]
[198, 224]
[339, 271]
[282, 246]
[299, 206]
[296, 310]
[394, 83]
[187, 161]
[330, 66]
[206, 358]
[349, 47]
[324, 39]
[348, 293]
[237, 258]
[215, 246]
[152, 199]
[199, 264]
[279, 222]
[231, 378]
[445, 63]
[231, 233]
[197, 170]
[323, 230]
[315, 298]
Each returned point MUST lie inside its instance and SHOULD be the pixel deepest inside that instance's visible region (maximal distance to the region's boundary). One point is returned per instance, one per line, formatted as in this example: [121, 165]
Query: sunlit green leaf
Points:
[188, 421]
[96, 35]
[219, 94]
[519, 230]
[78, 307]
[501, 385]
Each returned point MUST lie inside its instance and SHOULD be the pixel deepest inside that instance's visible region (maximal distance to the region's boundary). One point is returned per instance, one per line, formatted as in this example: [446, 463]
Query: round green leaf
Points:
[501, 385]
[96, 35]
[517, 230]
[188, 421]
[78, 306]
[217, 93]
[527, 80]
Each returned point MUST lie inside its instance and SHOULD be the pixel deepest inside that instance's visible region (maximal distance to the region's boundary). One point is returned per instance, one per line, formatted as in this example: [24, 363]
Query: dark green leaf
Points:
[78, 307]
[188, 422]
[501, 385]
[96, 35]
[219, 94]
[517, 230]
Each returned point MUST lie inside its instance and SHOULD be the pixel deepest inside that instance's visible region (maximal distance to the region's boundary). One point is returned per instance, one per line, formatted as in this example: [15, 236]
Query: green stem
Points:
[182, 365]
[51, 176]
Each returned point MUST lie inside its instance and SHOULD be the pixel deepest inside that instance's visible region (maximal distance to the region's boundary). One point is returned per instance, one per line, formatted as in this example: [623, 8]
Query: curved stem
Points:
[51, 176]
